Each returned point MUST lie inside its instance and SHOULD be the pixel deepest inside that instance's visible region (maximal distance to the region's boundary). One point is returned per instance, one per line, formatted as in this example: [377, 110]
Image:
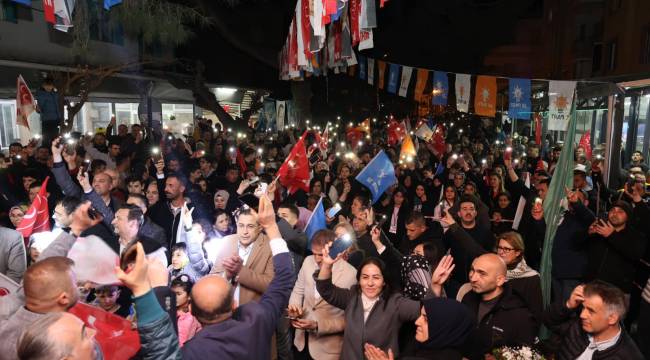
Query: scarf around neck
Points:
[522, 270]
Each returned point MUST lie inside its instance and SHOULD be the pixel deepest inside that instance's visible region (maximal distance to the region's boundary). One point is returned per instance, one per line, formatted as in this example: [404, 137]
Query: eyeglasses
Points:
[504, 250]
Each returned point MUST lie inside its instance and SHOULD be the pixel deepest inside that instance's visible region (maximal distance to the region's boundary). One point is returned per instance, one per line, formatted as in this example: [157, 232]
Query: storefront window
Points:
[642, 122]
[178, 118]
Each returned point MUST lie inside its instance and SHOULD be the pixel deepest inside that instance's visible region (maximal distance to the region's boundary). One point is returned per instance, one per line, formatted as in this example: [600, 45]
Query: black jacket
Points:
[161, 214]
[613, 259]
[562, 321]
[508, 323]
[463, 258]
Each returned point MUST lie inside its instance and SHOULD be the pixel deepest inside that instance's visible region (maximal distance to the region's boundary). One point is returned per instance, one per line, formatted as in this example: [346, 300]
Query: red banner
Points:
[24, 102]
[114, 334]
[37, 218]
[48, 9]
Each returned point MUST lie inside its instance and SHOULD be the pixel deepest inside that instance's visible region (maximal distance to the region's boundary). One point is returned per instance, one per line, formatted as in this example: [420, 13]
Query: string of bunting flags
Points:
[59, 12]
[322, 35]
[434, 87]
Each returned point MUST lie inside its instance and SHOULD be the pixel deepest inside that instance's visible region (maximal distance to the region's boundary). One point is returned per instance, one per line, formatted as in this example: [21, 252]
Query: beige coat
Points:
[326, 343]
[256, 275]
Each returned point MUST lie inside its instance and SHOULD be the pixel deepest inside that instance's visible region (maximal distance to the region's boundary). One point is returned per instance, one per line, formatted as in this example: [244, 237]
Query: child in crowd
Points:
[188, 326]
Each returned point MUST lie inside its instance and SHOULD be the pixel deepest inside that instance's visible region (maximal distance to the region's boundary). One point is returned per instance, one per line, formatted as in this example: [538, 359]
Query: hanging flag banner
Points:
[63, 9]
[362, 67]
[440, 88]
[519, 99]
[485, 99]
[463, 86]
[421, 83]
[393, 73]
[48, 10]
[406, 80]
[381, 67]
[371, 71]
[560, 99]
[366, 41]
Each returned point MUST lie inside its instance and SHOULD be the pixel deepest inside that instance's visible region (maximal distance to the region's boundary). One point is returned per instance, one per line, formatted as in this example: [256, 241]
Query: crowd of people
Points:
[445, 265]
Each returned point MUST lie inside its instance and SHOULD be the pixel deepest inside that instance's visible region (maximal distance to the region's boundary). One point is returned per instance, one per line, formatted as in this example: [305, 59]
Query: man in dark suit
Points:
[248, 330]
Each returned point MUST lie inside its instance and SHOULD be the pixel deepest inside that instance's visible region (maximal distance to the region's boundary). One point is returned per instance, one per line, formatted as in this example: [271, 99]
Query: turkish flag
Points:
[396, 132]
[354, 135]
[323, 141]
[114, 334]
[438, 140]
[294, 172]
[48, 10]
[585, 143]
[241, 162]
[37, 218]
[24, 102]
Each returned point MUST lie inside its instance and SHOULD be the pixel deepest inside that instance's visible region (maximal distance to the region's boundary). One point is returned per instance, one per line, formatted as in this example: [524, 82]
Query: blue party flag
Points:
[393, 75]
[378, 175]
[316, 222]
[519, 99]
[440, 88]
[110, 3]
[23, 2]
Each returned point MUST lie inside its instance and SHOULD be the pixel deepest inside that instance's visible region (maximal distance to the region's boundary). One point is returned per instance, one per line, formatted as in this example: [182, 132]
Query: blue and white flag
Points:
[393, 78]
[519, 99]
[440, 88]
[378, 175]
[362, 67]
[316, 222]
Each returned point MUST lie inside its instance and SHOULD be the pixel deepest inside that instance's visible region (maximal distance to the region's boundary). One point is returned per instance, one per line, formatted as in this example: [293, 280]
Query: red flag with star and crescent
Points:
[24, 102]
[37, 218]
[48, 11]
[585, 143]
[396, 132]
[438, 140]
[294, 172]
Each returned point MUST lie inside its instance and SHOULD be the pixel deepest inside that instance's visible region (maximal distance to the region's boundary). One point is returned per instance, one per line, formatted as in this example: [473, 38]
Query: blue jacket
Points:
[247, 335]
[48, 103]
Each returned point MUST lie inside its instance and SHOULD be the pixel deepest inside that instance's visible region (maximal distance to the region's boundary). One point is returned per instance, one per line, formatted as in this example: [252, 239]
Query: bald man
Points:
[502, 316]
[50, 286]
[246, 332]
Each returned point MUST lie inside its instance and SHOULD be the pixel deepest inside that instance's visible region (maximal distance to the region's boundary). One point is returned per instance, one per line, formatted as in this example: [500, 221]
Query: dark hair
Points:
[135, 213]
[292, 208]
[322, 237]
[219, 212]
[35, 184]
[612, 296]
[431, 253]
[362, 199]
[205, 225]
[70, 204]
[415, 217]
[179, 246]
[186, 285]
[132, 179]
[387, 291]
[141, 198]
[468, 199]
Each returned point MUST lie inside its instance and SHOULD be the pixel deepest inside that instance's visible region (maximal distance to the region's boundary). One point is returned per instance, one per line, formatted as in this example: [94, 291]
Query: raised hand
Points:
[138, 278]
[186, 217]
[443, 270]
[56, 149]
[447, 220]
[577, 297]
[327, 260]
[604, 228]
[82, 177]
[374, 353]
[571, 195]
